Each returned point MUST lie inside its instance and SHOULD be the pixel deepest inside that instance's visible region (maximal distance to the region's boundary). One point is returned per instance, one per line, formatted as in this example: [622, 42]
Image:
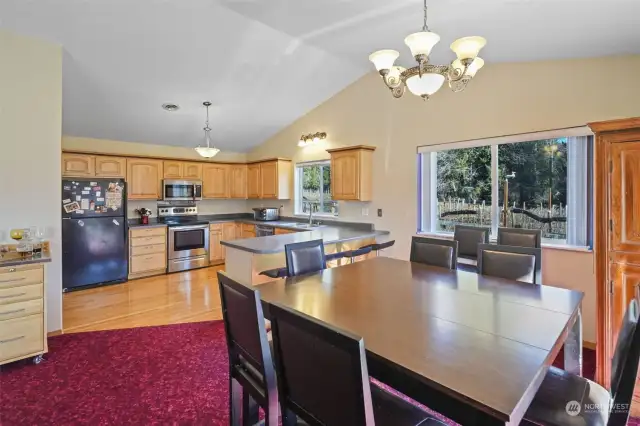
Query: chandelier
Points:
[311, 138]
[207, 151]
[425, 79]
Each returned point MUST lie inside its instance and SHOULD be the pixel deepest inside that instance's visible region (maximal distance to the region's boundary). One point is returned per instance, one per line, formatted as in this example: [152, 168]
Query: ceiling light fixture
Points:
[170, 107]
[207, 151]
[311, 138]
[425, 79]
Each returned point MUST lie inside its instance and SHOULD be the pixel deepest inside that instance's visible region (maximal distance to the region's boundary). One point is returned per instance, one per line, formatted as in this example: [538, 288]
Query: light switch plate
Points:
[365, 211]
[379, 212]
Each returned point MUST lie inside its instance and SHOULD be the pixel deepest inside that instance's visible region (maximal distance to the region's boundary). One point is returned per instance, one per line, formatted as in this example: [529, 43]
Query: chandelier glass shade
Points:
[426, 79]
[207, 151]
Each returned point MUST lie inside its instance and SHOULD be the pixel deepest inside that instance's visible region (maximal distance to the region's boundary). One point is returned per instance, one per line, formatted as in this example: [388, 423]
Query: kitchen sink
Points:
[306, 225]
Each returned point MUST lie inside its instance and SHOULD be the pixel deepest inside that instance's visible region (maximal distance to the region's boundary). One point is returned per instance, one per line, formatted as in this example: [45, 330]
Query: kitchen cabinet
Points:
[253, 180]
[192, 171]
[110, 167]
[248, 231]
[280, 231]
[351, 173]
[78, 165]
[238, 181]
[172, 169]
[144, 179]
[147, 251]
[270, 179]
[215, 182]
[182, 170]
[228, 234]
[216, 253]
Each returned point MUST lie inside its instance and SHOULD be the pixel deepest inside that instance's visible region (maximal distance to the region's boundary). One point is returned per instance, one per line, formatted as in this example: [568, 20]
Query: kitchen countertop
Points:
[43, 258]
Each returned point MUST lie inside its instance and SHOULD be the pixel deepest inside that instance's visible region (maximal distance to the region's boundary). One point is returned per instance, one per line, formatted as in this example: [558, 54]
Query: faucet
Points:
[310, 214]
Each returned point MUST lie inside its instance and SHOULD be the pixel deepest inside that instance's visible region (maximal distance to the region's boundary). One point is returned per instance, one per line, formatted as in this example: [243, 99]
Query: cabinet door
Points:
[238, 181]
[215, 248]
[78, 165]
[215, 181]
[345, 176]
[192, 171]
[238, 230]
[144, 179]
[269, 180]
[228, 234]
[115, 167]
[626, 282]
[173, 169]
[625, 196]
[280, 231]
[253, 181]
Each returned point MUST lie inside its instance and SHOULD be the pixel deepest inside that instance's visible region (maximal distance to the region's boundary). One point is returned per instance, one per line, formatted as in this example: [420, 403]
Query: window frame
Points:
[297, 211]
[427, 182]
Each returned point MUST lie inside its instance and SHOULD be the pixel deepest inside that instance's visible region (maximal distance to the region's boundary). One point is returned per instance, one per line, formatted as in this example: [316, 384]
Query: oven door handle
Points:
[188, 228]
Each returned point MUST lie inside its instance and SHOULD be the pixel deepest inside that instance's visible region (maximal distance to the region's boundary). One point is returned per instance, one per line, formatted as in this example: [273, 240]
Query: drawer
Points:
[150, 249]
[18, 294]
[21, 336]
[21, 275]
[248, 228]
[149, 262]
[215, 227]
[149, 232]
[147, 241]
[20, 309]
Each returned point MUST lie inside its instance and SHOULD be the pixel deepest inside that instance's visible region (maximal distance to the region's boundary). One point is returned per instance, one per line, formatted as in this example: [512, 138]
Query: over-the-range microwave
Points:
[181, 190]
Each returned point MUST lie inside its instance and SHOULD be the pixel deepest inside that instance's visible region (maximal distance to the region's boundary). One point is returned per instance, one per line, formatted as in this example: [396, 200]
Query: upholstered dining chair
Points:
[304, 258]
[567, 399]
[434, 251]
[252, 378]
[514, 263]
[323, 378]
[520, 237]
[468, 238]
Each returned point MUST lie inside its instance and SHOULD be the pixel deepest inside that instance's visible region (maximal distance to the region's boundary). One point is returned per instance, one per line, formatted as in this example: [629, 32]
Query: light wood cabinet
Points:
[216, 253]
[78, 165]
[248, 231]
[228, 234]
[238, 181]
[215, 182]
[192, 171]
[270, 179]
[253, 180]
[351, 173]
[281, 231]
[144, 179]
[110, 167]
[172, 169]
[147, 251]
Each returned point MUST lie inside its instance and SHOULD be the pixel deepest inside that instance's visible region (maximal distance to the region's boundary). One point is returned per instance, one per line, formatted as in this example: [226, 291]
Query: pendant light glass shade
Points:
[384, 59]
[421, 43]
[468, 47]
[428, 84]
[207, 151]
[477, 63]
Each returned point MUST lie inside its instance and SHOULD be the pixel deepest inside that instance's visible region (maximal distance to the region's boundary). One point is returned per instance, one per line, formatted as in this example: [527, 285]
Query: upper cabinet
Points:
[192, 171]
[269, 179]
[351, 173]
[215, 181]
[253, 180]
[182, 170]
[238, 181]
[144, 179]
[111, 167]
[78, 165]
[172, 169]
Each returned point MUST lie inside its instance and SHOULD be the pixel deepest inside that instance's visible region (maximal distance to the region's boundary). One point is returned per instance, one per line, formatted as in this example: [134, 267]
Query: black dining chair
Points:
[352, 254]
[434, 252]
[468, 238]
[378, 247]
[304, 258]
[515, 263]
[567, 399]
[252, 378]
[323, 378]
[520, 237]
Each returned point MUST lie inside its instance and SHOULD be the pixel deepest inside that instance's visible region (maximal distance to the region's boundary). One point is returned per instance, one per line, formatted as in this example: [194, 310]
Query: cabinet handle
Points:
[13, 295]
[11, 340]
[15, 311]
[8, 281]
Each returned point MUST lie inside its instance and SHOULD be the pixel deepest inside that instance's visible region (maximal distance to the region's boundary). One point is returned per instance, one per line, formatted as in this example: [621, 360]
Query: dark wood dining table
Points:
[473, 348]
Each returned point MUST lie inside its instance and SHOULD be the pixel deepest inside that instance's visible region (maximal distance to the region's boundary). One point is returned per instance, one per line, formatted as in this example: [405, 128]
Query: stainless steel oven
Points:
[181, 190]
[188, 247]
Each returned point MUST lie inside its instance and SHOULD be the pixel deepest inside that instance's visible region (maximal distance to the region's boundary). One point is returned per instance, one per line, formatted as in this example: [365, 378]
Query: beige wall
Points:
[504, 98]
[30, 126]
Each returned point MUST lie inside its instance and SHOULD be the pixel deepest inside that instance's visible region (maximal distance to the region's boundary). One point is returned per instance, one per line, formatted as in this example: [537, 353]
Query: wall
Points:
[503, 99]
[30, 127]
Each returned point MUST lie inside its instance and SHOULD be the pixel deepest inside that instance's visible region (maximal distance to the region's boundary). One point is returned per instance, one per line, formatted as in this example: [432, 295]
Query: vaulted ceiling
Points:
[264, 63]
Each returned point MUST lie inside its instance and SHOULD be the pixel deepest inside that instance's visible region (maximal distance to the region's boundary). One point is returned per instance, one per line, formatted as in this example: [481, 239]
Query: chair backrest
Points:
[520, 237]
[304, 258]
[624, 368]
[468, 238]
[247, 341]
[434, 251]
[514, 263]
[322, 371]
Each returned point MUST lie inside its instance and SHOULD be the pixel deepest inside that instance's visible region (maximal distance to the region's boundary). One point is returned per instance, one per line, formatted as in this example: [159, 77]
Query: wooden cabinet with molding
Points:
[351, 173]
[270, 179]
[147, 251]
[215, 181]
[238, 181]
[281, 231]
[111, 167]
[144, 179]
[192, 171]
[78, 165]
[172, 169]
[216, 252]
[253, 180]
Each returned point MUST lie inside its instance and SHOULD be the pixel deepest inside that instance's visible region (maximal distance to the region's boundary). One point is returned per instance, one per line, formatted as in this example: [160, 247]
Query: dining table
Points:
[473, 348]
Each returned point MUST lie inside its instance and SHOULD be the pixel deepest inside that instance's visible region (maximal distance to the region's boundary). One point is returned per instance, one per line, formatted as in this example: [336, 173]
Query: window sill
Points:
[551, 246]
[326, 216]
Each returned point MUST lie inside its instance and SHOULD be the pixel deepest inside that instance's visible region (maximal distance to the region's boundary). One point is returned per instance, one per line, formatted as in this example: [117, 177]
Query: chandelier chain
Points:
[425, 27]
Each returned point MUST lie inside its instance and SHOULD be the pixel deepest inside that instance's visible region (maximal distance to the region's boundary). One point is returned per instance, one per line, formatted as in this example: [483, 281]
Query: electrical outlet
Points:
[365, 211]
[379, 212]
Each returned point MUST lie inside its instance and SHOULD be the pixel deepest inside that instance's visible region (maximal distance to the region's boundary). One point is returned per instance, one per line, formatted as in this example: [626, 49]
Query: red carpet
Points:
[173, 374]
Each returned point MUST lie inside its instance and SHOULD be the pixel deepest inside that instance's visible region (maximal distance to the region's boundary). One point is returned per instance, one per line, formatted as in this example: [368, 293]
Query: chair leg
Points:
[235, 391]
[250, 414]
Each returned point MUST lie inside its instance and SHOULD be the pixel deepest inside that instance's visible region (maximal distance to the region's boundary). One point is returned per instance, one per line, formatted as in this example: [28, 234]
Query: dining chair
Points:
[323, 378]
[378, 247]
[352, 254]
[520, 237]
[434, 251]
[567, 399]
[252, 378]
[468, 238]
[304, 258]
[515, 263]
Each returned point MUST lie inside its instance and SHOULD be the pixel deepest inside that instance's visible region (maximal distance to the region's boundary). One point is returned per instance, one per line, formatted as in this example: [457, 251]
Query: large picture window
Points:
[536, 181]
[313, 189]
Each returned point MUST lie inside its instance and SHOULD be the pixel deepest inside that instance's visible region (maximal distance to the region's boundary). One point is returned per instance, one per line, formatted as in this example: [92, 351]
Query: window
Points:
[313, 189]
[536, 181]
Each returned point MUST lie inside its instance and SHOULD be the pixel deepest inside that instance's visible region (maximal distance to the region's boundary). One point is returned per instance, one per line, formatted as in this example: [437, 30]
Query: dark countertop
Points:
[43, 258]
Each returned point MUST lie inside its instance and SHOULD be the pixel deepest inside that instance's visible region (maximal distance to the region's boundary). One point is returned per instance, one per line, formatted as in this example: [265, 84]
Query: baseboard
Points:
[589, 345]
[54, 333]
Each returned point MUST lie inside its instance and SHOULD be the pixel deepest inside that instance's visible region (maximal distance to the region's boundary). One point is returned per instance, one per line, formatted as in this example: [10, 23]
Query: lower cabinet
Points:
[147, 251]
[248, 231]
[280, 231]
[216, 253]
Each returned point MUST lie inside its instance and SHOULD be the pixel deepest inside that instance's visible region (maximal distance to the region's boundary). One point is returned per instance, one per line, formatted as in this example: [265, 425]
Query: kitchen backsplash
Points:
[204, 207]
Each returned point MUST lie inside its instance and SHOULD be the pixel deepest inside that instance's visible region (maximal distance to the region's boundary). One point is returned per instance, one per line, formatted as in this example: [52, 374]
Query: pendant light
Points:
[207, 151]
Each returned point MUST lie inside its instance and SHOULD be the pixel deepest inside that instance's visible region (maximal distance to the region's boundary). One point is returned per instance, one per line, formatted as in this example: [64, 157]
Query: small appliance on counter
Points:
[266, 214]
[94, 233]
[182, 190]
[188, 237]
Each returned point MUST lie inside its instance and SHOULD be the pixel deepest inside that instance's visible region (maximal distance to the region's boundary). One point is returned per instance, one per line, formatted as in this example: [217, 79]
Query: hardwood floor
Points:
[165, 299]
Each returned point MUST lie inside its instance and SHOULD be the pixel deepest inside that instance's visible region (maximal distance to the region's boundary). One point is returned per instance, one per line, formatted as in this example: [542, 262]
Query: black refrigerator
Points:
[94, 233]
